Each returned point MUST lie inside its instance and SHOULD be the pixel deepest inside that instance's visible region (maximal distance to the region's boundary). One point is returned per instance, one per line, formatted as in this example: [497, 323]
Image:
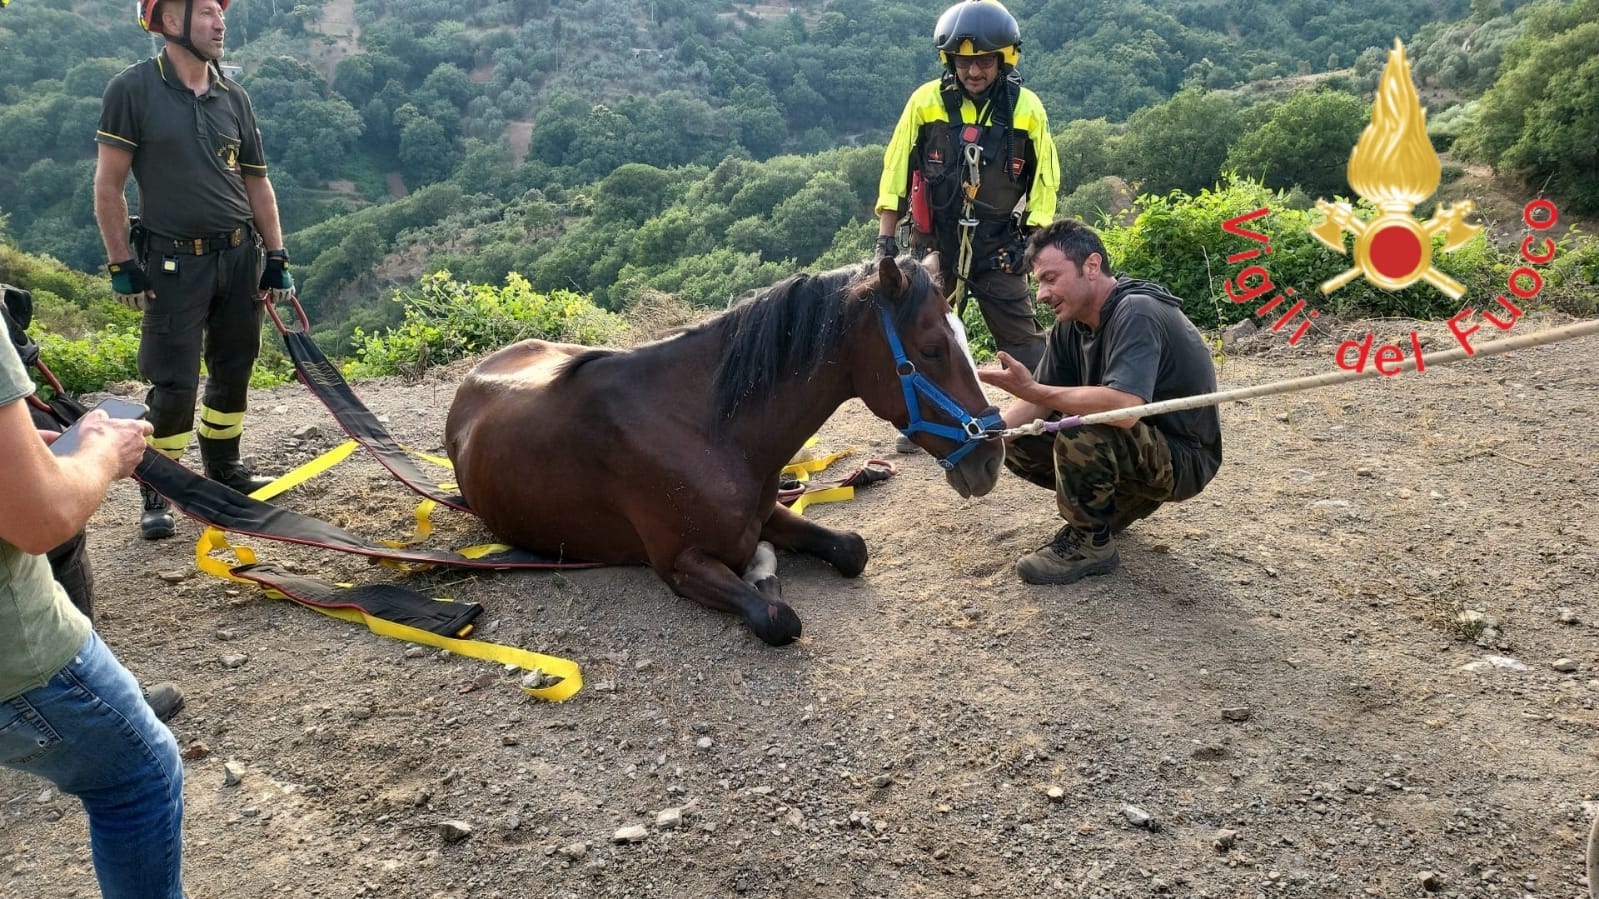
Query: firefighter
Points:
[192, 264]
[972, 160]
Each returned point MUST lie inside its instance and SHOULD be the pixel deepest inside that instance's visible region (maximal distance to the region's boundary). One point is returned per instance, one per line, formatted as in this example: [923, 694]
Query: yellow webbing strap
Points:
[213, 541]
[802, 471]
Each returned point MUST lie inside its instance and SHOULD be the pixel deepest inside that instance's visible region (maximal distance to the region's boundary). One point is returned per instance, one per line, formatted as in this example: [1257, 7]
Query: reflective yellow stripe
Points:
[220, 425]
[171, 446]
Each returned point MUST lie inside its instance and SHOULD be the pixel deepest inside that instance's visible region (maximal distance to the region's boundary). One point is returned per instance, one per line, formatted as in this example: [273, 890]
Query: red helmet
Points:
[147, 17]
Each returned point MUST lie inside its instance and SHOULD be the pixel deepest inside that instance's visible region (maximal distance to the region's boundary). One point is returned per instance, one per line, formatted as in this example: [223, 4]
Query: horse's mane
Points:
[787, 330]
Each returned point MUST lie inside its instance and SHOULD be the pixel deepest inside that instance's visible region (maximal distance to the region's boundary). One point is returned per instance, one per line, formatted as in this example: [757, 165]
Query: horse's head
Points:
[919, 376]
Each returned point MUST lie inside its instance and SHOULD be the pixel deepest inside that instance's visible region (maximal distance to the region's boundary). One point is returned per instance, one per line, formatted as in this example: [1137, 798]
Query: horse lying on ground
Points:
[669, 454]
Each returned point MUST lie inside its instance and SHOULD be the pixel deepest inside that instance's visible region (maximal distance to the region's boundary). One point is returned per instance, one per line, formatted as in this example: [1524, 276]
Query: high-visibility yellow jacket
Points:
[924, 139]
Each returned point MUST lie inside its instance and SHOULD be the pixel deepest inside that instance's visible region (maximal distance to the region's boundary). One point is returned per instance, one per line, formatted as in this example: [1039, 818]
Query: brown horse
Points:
[669, 454]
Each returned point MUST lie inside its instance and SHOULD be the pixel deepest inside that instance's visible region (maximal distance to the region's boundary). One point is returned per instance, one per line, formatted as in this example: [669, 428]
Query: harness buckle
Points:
[199, 246]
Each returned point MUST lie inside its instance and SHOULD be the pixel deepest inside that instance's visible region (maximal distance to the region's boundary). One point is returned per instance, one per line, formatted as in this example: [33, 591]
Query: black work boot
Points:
[156, 521]
[221, 458]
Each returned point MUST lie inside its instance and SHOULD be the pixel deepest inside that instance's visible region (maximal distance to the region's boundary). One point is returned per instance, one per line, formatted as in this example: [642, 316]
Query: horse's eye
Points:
[932, 353]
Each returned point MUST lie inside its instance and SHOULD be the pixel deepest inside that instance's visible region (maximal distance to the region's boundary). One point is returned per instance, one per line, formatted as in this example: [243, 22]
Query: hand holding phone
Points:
[112, 406]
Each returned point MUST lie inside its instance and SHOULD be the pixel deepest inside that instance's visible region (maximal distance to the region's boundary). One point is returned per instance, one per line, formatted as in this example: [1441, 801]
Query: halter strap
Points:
[972, 430]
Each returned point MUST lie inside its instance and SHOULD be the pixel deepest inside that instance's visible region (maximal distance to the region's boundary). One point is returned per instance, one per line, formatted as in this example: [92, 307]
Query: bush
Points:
[448, 320]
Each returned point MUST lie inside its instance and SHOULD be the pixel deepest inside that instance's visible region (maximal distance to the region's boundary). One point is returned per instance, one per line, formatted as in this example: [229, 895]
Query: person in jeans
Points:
[69, 712]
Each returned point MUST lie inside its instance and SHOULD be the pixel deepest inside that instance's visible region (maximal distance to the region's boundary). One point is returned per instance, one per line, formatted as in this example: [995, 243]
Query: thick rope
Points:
[1539, 338]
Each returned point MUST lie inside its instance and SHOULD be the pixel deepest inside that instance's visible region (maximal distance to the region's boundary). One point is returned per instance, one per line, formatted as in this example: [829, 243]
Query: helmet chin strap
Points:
[185, 41]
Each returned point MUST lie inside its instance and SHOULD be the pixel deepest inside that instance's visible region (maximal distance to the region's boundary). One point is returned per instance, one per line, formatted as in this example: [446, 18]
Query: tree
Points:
[1180, 144]
[1306, 142]
[1086, 149]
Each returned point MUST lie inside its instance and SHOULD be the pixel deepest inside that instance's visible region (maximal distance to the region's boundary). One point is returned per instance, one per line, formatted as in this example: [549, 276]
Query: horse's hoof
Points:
[851, 557]
[778, 624]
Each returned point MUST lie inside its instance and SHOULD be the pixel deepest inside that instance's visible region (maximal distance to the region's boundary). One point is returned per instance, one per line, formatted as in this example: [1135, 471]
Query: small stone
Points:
[234, 660]
[250, 811]
[1566, 666]
[1137, 817]
[225, 634]
[1237, 713]
[1429, 881]
[176, 576]
[195, 751]
[1224, 840]
[1566, 616]
[636, 833]
[232, 773]
[1055, 794]
[416, 652]
[454, 831]
[537, 679]
[668, 818]
[643, 665]
[45, 797]
[700, 727]
[509, 740]
[1364, 472]
[574, 851]
[882, 780]
[1209, 752]
[704, 744]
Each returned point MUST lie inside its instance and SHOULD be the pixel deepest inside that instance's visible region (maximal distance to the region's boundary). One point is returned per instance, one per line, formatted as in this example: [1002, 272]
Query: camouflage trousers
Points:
[1102, 475]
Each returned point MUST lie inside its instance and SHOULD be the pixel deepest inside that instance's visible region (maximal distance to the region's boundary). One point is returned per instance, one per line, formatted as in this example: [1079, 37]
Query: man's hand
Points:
[275, 277]
[1011, 377]
[123, 438]
[130, 285]
[886, 248]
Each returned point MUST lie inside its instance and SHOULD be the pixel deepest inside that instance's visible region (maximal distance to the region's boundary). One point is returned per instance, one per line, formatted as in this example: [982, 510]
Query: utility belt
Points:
[161, 245]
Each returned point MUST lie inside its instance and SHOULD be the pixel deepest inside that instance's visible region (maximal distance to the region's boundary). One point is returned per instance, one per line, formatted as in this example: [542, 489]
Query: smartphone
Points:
[114, 406]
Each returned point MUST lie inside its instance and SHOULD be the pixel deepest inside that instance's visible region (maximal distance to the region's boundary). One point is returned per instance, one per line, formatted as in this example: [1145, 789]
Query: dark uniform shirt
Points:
[189, 152]
[1147, 347]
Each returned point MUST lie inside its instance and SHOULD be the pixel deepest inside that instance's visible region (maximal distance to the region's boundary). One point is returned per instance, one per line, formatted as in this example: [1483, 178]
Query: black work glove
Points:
[129, 284]
[275, 277]
[886, 248]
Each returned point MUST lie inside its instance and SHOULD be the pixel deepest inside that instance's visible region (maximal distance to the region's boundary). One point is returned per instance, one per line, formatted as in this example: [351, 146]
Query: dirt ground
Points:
[1362, 662]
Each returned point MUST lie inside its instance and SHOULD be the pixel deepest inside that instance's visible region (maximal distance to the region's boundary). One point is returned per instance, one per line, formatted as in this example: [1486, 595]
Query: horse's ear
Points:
[935, 271]
[890, 280]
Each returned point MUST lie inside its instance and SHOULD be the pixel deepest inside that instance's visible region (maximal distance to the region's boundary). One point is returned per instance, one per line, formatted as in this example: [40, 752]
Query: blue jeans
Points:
[90, 733]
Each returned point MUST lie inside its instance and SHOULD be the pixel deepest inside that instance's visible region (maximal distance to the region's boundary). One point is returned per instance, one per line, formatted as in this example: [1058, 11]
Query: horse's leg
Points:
[763, 566]
[711, 583]
[844, 550]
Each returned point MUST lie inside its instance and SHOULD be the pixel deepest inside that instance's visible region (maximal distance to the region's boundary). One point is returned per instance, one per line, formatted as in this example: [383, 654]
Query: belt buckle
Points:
[199, 246]
[235, 237]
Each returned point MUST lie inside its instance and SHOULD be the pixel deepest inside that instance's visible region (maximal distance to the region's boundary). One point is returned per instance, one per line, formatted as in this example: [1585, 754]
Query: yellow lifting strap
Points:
[566, 677]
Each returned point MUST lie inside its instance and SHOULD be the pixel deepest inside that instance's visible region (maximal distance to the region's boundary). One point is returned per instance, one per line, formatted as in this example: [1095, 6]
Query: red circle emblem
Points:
[1395, 252]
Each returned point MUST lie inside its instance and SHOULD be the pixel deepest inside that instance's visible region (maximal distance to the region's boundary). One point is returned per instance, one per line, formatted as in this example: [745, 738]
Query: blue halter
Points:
[972, 430]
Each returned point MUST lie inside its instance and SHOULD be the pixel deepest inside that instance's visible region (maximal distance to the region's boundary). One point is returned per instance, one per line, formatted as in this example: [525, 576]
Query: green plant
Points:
[448, 319]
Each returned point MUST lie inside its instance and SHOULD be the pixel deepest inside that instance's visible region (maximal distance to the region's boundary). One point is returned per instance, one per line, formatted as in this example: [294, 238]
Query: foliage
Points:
[90, 363]
[1540, 117]
[447, 319]
[1179, 144]
[1305, 141]
[1178, 240]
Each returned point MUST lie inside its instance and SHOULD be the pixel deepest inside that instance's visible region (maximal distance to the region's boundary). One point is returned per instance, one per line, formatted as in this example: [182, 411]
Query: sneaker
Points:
[155, 523]
[165, 699]
[906, 445]
[1070, 557]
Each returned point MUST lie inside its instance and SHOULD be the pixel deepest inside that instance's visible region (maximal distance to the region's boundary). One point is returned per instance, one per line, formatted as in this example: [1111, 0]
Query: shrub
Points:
[448, 319]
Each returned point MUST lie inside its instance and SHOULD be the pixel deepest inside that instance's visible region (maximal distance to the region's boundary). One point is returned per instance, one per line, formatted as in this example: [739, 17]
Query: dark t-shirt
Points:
[1147, 347]
[189, 152]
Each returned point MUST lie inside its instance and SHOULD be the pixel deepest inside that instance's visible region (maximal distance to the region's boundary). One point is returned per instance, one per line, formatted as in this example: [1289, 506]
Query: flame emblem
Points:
[1394, 166]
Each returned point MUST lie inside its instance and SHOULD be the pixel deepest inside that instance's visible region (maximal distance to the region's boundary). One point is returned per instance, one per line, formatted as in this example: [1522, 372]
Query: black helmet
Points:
[978, 28]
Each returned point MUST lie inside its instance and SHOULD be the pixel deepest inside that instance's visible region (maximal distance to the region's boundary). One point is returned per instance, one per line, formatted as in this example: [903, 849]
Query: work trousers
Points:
[1102, 475]
[208, 308]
